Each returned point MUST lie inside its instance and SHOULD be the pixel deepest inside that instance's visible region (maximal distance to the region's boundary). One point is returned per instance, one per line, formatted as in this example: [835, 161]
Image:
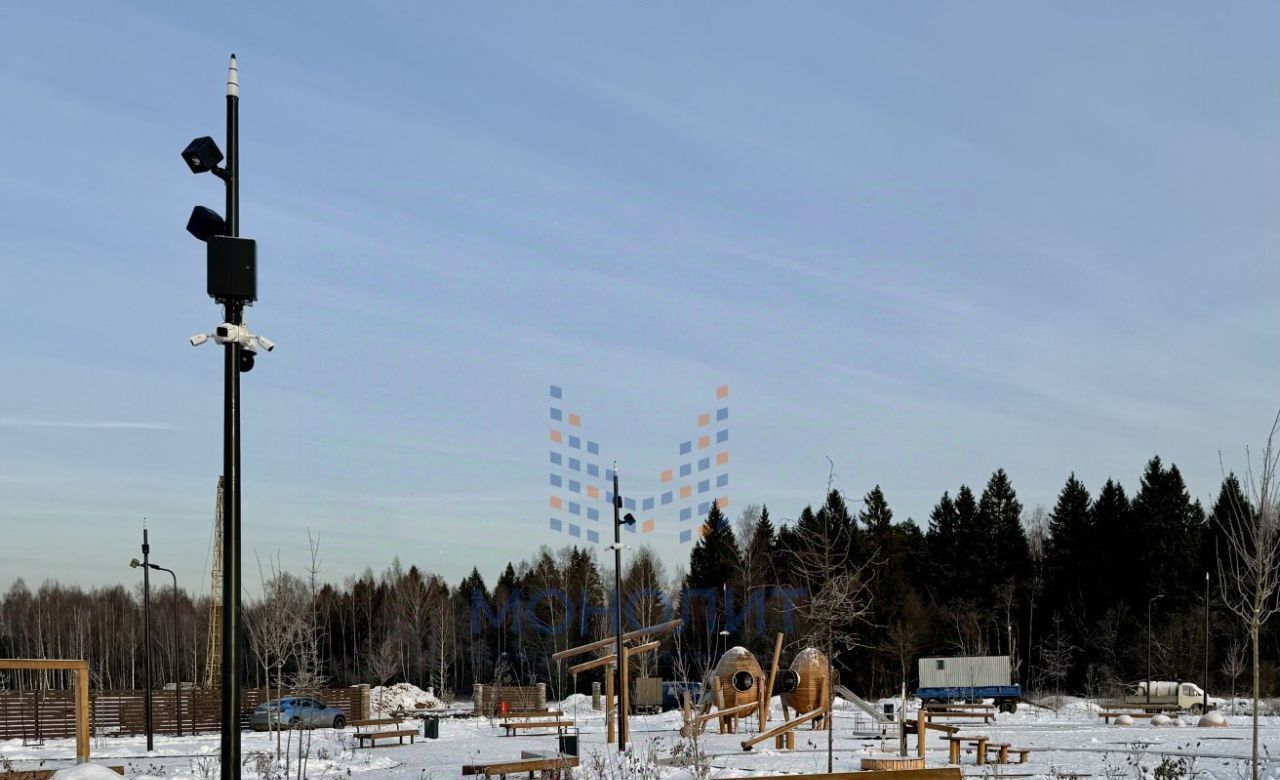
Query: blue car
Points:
[296, 712]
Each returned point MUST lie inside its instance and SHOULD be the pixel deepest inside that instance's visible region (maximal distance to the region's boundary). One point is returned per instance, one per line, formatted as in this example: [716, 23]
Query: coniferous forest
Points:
[1064, 590]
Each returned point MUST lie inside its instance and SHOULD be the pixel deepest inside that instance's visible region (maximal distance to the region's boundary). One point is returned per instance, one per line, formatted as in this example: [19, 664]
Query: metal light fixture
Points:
[205, 223]
[202, 155]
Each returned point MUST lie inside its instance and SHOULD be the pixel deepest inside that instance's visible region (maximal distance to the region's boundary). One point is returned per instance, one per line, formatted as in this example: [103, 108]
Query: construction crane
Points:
[213, 653]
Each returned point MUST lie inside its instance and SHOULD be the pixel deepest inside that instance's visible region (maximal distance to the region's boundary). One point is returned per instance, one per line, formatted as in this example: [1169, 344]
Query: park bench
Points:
[1107, 716]
[534, 713]
[372, 737]
[986, 717]
[549, 764]
[513, 726]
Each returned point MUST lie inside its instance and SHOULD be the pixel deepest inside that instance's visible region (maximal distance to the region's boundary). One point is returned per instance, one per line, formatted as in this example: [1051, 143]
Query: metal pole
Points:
[617, 591]
[231, 662]
[1204, 707]
[1149, 603]
[146, 636]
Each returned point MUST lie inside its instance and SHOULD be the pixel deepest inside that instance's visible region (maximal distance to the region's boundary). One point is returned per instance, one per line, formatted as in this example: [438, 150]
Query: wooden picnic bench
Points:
[549, 764]
[513, 726]
[372, 737]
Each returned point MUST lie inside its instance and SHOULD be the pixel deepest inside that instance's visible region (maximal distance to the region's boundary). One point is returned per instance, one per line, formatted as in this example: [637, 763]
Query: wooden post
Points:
[625, 684]
[763, 703]
[608, 704]
[922, 724]
[82, 713]
[720, 704]
[773, 675]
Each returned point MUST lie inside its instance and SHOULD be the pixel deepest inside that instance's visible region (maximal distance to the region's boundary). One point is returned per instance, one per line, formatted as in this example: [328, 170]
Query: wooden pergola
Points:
[80, 670]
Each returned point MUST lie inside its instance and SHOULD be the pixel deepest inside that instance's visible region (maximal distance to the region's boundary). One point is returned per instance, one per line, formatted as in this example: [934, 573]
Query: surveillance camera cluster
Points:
[227, 333]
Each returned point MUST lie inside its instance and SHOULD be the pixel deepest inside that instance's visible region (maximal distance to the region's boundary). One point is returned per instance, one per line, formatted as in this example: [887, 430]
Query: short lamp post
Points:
[1150, 639]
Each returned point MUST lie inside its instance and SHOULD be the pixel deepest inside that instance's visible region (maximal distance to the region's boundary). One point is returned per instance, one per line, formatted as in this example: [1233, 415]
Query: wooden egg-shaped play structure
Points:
[805, 684]
[739, 677]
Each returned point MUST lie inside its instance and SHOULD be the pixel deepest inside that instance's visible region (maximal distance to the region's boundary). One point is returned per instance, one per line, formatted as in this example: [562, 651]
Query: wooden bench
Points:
[1107, 716]
[534, 714]
[513, 726]
[1023, 754]
[372, 737]
[987, 717]
[549, 764]
[981, 744]
[1001, 749]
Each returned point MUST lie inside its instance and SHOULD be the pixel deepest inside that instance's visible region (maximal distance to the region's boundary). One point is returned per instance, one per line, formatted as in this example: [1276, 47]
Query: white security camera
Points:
[262, 342]
[198, 339]
[226, 333]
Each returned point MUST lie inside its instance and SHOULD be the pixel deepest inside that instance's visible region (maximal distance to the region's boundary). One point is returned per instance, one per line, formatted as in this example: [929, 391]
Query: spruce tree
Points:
[1069, 551]
[1000, 517]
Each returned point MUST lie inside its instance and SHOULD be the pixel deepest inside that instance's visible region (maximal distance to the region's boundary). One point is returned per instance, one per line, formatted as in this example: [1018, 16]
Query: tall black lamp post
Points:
[146, 637]
[1150, 601]
[232, 281]
[618, 522]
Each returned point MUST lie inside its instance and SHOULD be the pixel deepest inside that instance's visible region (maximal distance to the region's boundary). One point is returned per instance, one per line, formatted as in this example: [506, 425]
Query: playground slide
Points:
[856, 700]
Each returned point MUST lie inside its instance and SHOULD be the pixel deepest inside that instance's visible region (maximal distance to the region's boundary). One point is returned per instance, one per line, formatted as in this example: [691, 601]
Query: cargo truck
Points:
[970, 679]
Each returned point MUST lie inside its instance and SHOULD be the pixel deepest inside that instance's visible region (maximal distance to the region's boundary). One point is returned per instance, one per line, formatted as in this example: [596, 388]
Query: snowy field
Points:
[1072, 742]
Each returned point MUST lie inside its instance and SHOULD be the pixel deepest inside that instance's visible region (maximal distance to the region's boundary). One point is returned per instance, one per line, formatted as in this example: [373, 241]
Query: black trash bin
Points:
[568, 744]
[431, 727]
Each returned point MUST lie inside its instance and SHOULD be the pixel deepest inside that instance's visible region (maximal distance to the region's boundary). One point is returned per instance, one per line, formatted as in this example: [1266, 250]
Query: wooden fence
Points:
[52, 714]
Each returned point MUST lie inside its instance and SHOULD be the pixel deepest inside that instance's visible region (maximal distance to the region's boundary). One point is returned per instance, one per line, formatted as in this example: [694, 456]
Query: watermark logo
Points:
[581, 482]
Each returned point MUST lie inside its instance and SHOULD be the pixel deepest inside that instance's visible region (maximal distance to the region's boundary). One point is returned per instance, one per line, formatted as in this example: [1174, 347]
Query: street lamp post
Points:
[1150, 601]
[618, 522]
[146, 636]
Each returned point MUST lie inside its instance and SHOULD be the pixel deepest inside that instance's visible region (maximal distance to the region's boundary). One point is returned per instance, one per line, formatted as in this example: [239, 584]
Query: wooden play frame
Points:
[616, 668]
[80, 671]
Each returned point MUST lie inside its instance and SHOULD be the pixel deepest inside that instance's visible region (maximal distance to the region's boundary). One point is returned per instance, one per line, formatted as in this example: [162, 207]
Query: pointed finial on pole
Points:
[233, 79]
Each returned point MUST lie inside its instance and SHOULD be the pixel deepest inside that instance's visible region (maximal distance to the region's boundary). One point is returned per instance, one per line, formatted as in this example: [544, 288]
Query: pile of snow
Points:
[86, 771]
[1159, 720]
[401, 696]
[1213, 720]
[577, 700]
[1124, 720]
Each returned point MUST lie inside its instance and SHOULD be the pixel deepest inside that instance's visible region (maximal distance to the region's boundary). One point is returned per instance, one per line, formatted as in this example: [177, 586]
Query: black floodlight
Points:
[205, 223]
[202, 155]
[232, 268]
[629, 519]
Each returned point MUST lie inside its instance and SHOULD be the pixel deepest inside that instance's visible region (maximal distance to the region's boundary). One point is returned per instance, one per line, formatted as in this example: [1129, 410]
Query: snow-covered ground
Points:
[1072, 741]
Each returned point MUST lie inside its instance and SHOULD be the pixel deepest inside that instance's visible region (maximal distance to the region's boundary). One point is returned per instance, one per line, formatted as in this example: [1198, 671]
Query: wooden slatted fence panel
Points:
[51, 714]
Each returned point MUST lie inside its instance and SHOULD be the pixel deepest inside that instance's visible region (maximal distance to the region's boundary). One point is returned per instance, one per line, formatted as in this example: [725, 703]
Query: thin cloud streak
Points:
[88, 425]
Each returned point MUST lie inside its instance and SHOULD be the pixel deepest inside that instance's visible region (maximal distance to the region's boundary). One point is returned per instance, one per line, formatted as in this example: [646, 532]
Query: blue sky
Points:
[926, 240]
